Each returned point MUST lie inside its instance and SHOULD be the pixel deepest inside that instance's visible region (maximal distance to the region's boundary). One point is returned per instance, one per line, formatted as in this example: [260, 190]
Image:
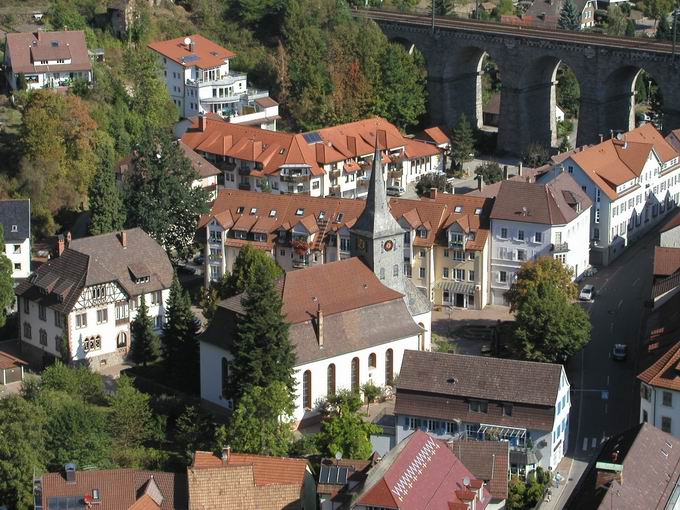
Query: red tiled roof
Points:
[666, 260]
[438, 135]
[487, 460]
[266, 470]
[25, 48]
[664, 372]
[9, 361]
[209, 53]
[673, 222]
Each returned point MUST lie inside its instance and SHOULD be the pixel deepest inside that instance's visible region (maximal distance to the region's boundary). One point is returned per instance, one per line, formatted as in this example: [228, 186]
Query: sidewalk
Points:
[558, 496]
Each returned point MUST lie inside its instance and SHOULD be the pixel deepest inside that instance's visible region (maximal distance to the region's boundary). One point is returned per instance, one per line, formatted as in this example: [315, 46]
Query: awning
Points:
[457, 287]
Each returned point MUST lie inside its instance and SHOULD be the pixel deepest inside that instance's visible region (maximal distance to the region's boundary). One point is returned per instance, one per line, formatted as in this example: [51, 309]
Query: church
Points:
[350, 320]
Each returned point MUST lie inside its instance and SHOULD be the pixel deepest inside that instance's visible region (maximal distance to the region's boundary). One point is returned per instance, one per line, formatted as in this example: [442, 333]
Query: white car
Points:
[587, 293]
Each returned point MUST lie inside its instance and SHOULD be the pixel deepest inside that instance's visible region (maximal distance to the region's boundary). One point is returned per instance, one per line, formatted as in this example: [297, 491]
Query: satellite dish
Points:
[338, 455]
[466, 481]
[619, 136]
[187, 41]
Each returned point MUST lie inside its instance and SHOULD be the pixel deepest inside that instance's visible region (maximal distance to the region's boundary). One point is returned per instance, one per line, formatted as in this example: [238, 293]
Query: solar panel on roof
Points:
[313, 137]
[65, 503]
[190, 58]
[333, 475]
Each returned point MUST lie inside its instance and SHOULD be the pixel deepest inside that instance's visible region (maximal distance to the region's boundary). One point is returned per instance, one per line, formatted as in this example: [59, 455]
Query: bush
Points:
[535, 155]
[429, 181]
[490, 172]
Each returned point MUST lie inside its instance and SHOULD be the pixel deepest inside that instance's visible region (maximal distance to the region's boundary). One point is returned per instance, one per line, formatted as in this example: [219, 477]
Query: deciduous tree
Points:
[545, 270]
[243, 270]
[343, 429]
[130, 419]
[6, 282]
[78, 382]
[490, 172]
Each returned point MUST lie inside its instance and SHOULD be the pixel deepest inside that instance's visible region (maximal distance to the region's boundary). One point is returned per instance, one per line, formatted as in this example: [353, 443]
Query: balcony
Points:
[396, 173]
[244, 186]
[457, 244]
[362, 182]
[243, 170]
[223, 165]
[334, 173]
[560, 248]
[334, 188]
[300, 264]
[222, 81]
[294, 178]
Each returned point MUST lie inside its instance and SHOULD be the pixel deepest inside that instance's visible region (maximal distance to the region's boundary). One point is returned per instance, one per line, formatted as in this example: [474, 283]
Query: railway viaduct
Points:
[528, 58]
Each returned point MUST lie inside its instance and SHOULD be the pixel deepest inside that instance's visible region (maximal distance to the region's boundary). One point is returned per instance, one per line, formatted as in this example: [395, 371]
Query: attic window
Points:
[458, 208]
[253, 210]
[55, 44]
[239, 210]
[478, 211]
[299, 212]
[272, 213]
[322, 215]
[15, 228]
[339, 217]
[282, 151]
[422, 232]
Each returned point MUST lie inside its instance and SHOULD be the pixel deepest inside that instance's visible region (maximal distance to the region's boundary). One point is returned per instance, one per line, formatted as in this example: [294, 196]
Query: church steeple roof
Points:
[376, 221]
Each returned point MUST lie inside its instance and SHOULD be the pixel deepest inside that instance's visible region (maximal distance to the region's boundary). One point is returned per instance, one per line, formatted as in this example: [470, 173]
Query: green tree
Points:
[443, 7]
[462, 141]
[179, 342]
[490, 172]
[535, 155]
[106, 203]
[243, 271]
[570, 19]
[505, 7]
[159, 196]
[21, 82]
[78, 382]
[262, 420]
[263, 353]
[544, 270]
[371, 392]
[654, 8]
[549, 326]
[22, 450]
[429, 181]
[616, 21]
[130, 418]
[568, 91]
[144, 348]
[663, 28]
[630, 28]
[343, 428]
[76, 431]
[516, 494]
[194, 430]
[6, 282]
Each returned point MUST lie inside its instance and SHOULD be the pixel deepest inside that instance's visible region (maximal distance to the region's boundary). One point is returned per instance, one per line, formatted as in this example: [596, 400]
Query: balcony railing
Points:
[243, 170]
[560, 248]
[244, 186]
[334, 188]
[227, 79]
[294, 178]
[223, 165]
[457, 245]
[299, 264]
[334, 172]
[396, 173]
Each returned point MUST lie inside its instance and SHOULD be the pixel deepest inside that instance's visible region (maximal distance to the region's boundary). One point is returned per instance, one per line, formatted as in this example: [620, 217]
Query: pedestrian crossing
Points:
[590, 443]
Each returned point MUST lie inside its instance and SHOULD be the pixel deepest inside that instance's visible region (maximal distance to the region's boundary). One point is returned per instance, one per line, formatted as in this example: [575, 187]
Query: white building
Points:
[15, 218]
[531, 220]
[632, 181]
[78, 306]
[522, 402]
[46, 59]
[660, 393]
[197, 74]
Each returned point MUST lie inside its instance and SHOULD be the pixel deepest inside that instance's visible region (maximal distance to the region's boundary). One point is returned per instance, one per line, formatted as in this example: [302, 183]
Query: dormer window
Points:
[15, 228]
[339, 217]
[322, 215]
[259, 237]
[478, 211]
[299, 212]
[458, 209]
[240, 234]
[422, 233]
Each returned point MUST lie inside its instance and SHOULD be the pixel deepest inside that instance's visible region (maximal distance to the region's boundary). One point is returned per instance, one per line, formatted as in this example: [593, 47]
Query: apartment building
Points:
[632, 180]
[15, 218]
[78, 306]
[459, 397]
[46, 59]
[660, 392]
[334, 161]
[199, 80]
[531, 220]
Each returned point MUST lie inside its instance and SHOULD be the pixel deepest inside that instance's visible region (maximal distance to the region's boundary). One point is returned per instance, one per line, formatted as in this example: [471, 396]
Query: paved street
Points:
[604, 396]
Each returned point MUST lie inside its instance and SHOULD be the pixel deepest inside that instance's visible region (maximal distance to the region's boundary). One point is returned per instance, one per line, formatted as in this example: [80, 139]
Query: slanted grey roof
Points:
[506, 380]
[95, 260]
[16, 213]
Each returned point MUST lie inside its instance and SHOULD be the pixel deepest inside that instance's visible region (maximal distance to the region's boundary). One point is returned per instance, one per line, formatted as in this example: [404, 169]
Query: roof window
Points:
[282, 151]
[253, 210]
[478, 211]
[458, 208]
[322, 215]
[339, 217]
[299, 212]
[239, 210]
[272, 213]
[15, 228]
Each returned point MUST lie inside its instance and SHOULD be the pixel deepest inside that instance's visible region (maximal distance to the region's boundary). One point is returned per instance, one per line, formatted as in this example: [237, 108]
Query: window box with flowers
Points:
[300, 247]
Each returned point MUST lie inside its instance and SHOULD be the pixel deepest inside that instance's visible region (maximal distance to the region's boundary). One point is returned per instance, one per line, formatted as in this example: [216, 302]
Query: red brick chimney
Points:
[433, 193]
[123, 238]
[60, 245]
[201, 122]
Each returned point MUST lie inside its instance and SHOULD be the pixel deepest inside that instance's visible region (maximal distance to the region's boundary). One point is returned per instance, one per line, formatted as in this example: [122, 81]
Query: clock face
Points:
[388, 245]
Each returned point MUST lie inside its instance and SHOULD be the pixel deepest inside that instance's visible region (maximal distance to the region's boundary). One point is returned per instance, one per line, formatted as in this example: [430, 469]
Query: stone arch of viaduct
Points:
[528, 68]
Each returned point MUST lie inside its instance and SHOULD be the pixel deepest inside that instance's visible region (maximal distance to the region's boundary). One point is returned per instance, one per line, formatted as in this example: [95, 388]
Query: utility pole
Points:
[433, 17]
[675, 30]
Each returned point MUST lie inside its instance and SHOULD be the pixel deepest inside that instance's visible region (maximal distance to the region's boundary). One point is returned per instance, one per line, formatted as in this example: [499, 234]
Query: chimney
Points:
[480, 183]
[122, 236]
[601, 137]
[519, 169]
[68, 238]
[433, 193]
[201, 122]
[505, 172]
[70, 471]
[60, 245]
[319, 325]
[226, 454]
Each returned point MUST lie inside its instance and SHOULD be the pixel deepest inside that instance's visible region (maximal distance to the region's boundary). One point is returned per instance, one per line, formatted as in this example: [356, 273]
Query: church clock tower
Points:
[376, 237]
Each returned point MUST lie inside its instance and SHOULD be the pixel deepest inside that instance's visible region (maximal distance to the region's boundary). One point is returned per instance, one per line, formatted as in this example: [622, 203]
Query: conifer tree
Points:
[179, 343]
[462, 141]
[262, 351]
[6, 282]
[569, 16]
[144, 346]
[663, 29]
[106, 202]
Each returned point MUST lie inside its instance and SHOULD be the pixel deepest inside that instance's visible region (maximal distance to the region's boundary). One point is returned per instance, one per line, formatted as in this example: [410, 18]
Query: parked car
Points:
[486, 350]
[619, 352]
[199, 259]
[587, 293]
[395, 191]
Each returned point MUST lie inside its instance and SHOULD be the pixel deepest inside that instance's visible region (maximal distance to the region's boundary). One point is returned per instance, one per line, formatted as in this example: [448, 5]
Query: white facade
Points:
[19, 254]
[211, 372]
[197, 91]
[640, 203]
[50, 79]
[97, 329]
[515, 242]
[660, 407]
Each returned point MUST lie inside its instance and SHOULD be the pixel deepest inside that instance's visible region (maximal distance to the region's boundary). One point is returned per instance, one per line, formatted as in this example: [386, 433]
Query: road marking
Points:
[607, 380]
[620, 303]
[594, 442]
[636, 281]
[585, 444]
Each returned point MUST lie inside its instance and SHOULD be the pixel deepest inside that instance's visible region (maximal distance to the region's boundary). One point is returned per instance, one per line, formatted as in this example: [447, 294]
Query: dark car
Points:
[619, 352]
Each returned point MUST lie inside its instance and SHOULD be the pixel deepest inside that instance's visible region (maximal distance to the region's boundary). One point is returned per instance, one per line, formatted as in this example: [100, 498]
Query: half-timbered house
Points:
[78, 306]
